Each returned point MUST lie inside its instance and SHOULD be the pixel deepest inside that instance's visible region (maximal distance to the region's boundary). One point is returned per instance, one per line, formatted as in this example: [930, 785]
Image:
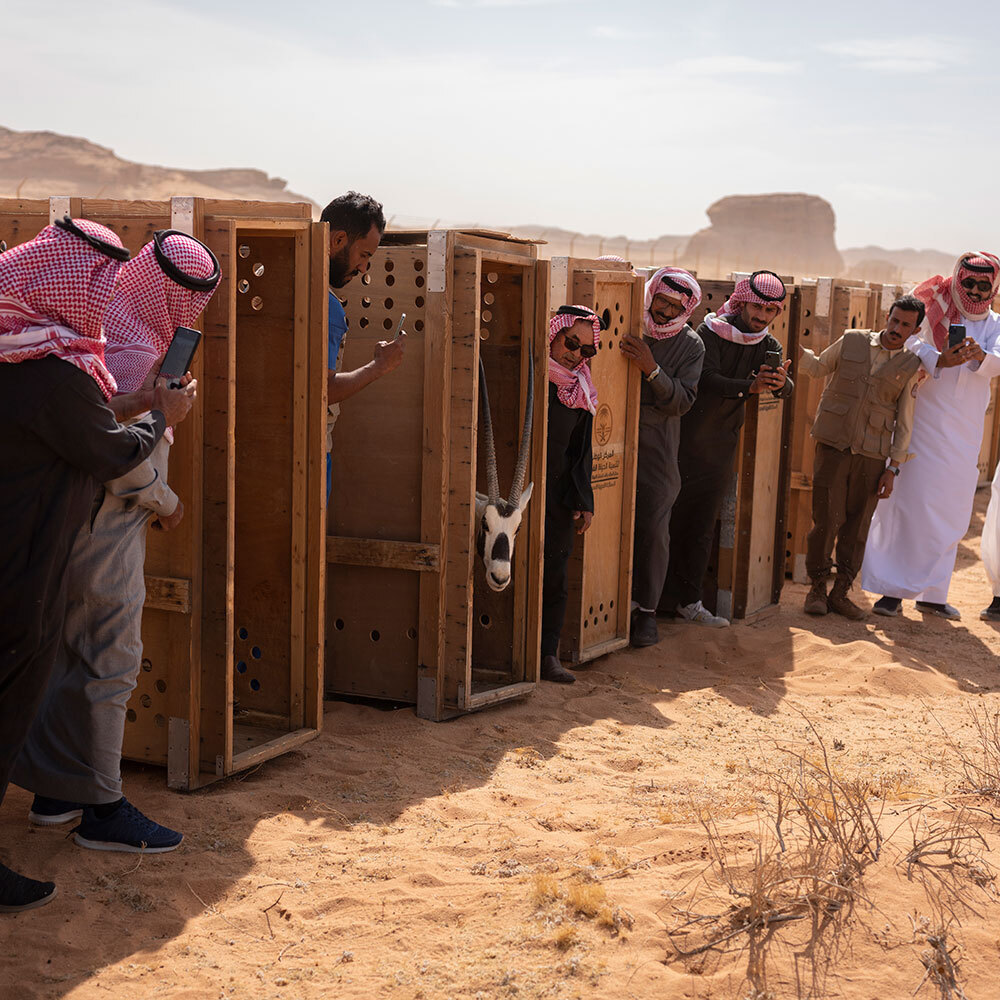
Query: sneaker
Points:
[992, 613]
[698, 614]
[643, 631]
[18, 893]
[888, 607]
[52, 812]
[941, 610]
[126, 830]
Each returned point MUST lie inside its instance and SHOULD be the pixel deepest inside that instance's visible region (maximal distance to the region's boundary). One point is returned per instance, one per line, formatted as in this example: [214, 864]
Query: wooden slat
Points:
[496, 695]
[316, 498]
[272, 749]
[435, 470]
[423, 558]
[218, 400]
[165, 593]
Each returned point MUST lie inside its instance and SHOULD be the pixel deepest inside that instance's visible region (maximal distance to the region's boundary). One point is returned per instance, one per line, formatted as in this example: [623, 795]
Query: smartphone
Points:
[772, 358]
[179, 355]
[399, 325]
[956, 334]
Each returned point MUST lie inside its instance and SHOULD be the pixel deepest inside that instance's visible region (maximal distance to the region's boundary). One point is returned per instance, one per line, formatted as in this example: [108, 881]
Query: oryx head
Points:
[498, 519]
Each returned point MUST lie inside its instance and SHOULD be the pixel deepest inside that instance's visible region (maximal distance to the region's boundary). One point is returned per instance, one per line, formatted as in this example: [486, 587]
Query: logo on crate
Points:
[603, 423]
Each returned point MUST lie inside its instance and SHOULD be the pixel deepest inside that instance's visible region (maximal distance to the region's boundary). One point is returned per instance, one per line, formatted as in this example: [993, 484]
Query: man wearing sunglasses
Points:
[914, 540]
[742, 360]
[669, 355]
[574, 334]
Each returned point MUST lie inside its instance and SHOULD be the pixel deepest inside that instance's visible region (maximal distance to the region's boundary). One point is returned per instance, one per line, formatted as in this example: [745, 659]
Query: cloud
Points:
[612, 32]
[735, 65]
[915, 54]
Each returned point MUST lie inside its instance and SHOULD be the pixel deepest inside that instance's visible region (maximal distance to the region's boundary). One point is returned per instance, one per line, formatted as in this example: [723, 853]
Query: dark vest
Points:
[857, 411]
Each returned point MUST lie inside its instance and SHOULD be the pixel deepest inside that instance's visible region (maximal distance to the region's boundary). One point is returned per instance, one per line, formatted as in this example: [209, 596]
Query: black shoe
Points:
[992, 613]
[643, 631]
[553, 670]
[888, 607]
[52, 812]
[125, 829]
[941, 610]
[18, 893]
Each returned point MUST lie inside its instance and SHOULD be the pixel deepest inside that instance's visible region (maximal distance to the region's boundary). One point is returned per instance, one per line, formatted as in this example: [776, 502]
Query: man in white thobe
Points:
[914, 540]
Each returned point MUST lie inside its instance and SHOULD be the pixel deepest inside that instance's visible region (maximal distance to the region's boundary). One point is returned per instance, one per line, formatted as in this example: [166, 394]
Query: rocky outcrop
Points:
[42, 164]
[905, 265]
[789, 233]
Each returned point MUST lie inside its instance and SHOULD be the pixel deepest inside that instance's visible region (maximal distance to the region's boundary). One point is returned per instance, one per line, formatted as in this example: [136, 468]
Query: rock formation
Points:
[789, 233]
[42, 164]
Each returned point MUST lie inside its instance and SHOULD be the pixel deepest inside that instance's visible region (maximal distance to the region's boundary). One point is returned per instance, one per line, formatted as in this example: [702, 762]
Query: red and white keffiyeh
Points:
[947, 302]
[763, 288]
[574, 386]
[660, 284]
[54, 291]
[148, 306]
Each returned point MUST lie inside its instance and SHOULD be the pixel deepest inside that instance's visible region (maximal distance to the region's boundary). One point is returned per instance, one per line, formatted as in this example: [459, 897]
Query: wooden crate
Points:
[746, 572]
[600, 570]
[232, 626]
[988, 449]
[825, 310]
[409, 617]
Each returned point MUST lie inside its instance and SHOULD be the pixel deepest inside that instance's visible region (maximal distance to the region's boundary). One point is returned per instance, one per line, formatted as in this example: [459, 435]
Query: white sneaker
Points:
[698, 614]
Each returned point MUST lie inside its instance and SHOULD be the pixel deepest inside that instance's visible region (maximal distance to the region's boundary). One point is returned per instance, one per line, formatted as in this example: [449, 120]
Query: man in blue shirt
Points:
[356, 227]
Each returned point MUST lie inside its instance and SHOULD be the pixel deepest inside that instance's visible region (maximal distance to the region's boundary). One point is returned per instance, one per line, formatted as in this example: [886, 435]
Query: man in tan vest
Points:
[865, 416]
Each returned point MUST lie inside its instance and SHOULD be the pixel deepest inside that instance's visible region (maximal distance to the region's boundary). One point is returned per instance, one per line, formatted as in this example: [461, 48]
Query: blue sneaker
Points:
[52, 812]
[126, 830]
[18, 893]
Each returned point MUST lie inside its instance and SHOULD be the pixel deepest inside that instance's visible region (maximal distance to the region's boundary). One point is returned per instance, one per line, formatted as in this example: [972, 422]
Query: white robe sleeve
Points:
[926, 351]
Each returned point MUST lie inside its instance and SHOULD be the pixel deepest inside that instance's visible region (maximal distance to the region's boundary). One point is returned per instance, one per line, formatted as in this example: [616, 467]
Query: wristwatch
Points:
[894, 469]
[652, 375]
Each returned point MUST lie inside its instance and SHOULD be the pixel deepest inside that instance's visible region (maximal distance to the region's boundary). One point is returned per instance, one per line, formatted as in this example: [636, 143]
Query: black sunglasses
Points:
[108, 249]
[572, 344]
[189, 281]
[980, 286]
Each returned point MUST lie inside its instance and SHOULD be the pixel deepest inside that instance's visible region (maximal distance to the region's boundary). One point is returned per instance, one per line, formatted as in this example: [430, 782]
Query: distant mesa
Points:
[42, 164]
[788, 233]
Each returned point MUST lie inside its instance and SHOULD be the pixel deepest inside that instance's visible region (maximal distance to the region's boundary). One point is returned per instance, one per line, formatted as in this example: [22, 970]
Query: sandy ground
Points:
[399, 858]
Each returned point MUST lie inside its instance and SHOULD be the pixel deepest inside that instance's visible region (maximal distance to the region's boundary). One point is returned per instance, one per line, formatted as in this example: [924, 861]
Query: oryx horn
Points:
[492, 481]
[522, 455]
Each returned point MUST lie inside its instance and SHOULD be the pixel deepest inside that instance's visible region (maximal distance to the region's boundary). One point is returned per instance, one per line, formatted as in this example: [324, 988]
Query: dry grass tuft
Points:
[545, 889]
[980, 767]
[565, 937]
[940, 959]
[588, 898]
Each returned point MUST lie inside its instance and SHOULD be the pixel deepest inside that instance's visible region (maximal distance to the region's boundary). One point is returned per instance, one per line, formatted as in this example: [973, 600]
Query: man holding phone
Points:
[72, 757]
[865, 416]
[356, 226]
[914, 540]
[742, 361]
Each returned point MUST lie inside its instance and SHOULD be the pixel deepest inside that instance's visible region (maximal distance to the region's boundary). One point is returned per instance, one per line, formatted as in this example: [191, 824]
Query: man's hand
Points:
[769, 378]
[167, 522]
[389, 353]
[952, 357]
[638, 352]
[175, 404]
[584, 517]
[885, 484]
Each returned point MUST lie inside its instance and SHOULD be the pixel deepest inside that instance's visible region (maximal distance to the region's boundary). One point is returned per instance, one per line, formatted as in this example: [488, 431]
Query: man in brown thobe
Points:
[865, 416]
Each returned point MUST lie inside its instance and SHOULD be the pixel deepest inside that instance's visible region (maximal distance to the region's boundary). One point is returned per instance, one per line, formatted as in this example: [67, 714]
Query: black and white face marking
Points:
[495, 540]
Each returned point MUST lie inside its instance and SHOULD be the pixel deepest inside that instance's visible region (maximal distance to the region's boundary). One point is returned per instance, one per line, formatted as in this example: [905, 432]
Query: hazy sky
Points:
[598, 115]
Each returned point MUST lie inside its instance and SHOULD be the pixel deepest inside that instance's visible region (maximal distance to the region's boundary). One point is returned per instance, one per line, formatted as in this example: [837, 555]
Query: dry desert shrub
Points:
[980, 767]
[940, 958]
[818, 832]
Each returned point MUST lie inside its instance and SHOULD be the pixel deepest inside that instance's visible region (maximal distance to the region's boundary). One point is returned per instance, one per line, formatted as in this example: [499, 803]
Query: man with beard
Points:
[356, 226]
[670, 357]
[864, 417]
[737, 346]
[574, 336]
[914, 540]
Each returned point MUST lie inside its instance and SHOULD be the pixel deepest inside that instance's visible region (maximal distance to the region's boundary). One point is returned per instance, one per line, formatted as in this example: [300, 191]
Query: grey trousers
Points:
[73, 751]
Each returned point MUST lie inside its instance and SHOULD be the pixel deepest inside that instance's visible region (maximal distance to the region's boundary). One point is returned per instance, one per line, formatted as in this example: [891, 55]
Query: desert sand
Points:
[543, 849]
